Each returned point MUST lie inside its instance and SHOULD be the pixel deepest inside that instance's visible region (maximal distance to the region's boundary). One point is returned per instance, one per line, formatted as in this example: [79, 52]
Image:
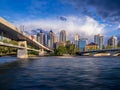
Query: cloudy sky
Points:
[85, 17]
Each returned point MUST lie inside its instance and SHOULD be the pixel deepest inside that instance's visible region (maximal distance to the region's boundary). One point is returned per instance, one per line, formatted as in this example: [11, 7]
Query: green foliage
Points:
[30, 53]
[7, 50]
[5, 41]
[60, 50]
[10, 41]
[70, 49]
[13, 42]
[108, 47]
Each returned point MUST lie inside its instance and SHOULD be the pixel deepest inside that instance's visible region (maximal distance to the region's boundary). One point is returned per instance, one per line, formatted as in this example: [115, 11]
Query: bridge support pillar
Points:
[22, 53]
[92, 54]
[113, 53]
[41, 52]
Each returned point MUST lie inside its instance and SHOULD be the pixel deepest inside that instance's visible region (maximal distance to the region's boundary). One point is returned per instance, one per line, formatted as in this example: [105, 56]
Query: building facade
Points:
[63, 36]
[91, 46]
[41, 37]
[99, 40]
[82, 43]
[52, 39]
[118, 43]
[77, 37]
[113, 42]
[59, 44]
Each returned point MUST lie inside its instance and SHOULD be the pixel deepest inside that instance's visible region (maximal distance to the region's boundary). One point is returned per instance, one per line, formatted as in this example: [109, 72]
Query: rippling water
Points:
[59, 73]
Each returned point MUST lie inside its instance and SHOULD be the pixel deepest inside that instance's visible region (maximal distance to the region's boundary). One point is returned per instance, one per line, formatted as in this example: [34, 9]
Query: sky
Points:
[84, 17]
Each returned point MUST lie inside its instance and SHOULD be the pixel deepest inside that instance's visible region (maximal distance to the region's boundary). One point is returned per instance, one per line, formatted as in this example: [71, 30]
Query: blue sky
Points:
[88, 17]
[34, 8]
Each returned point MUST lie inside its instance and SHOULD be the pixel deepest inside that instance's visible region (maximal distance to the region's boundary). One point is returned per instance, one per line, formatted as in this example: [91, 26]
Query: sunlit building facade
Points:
[113, 42]
[91, 46]
[77, 37]
[99, 40]
[41, 37]
[63, 36]
[52, 39]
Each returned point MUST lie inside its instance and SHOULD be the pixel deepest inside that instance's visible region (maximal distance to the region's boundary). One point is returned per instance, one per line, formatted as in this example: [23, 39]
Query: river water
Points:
[61, 73]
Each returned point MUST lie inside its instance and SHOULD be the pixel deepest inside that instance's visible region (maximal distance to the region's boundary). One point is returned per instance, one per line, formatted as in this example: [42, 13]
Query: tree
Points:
[60, 50]
[13, 42]
[108, 47]
[71, 48]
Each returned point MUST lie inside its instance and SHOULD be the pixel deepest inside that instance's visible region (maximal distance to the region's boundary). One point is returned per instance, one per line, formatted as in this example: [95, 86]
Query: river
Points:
[60, 73]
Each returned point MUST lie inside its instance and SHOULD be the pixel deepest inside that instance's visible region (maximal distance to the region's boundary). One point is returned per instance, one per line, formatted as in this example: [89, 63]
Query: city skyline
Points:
[86, 18]
[76, 37]
[59, 44]
[62, 38]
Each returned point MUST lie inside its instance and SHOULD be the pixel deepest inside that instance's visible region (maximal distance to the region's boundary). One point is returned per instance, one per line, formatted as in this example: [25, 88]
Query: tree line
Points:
[68, 49]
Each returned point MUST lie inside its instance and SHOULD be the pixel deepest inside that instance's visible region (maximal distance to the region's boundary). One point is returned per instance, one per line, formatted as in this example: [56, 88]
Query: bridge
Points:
[12, 32]
[103, 52]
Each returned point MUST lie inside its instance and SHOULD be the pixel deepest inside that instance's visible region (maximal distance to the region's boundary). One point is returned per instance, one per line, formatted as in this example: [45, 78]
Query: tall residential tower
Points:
[41, 37]
[99, 40]
[63, 36]
[77, 37]
[52, 39]
[113, 41]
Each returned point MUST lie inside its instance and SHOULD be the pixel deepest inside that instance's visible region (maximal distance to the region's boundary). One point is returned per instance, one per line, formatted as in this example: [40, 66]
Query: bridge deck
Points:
[12, 32]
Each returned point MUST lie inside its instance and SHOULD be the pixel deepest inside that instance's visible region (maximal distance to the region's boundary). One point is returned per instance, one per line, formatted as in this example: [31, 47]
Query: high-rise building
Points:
[82, 43]
[99, 40]
[118, 43]
[113, 41]
[41, 37]
[77, 37]
[52, 39]
[63, 36]
[48, 40]
[46, 37]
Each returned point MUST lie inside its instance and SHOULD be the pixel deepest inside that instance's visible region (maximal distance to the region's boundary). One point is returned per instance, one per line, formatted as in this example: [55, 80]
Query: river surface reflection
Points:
[61, 73]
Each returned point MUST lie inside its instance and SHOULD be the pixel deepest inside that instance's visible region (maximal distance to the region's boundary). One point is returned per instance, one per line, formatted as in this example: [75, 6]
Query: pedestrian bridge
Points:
[10, 31]
[103, 52]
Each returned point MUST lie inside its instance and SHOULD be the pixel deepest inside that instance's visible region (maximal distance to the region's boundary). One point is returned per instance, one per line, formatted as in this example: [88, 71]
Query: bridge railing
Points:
[21, 32]
[7, 23]
[112, 49]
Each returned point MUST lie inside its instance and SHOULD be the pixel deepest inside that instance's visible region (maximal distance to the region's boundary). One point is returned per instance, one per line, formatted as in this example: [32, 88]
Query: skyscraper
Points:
[99, 40]
[113, 41]
[41, 37]
[63, 36]
[77, 37]
[52, 39]
[48, 40]
[118, 43]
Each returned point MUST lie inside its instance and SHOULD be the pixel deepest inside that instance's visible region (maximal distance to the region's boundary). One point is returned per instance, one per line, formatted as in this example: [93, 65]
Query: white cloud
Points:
[85, 26]
[118, 27]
